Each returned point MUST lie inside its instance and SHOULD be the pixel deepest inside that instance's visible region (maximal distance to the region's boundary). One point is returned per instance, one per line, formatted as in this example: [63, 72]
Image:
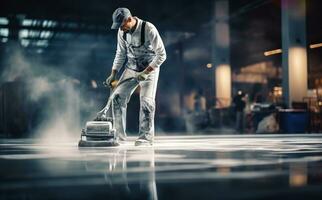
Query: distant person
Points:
[239, 106]
[197, 119]
[199, 101]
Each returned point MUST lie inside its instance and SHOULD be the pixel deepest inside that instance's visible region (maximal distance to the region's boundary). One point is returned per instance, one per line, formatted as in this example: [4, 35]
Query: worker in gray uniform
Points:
[138, 41]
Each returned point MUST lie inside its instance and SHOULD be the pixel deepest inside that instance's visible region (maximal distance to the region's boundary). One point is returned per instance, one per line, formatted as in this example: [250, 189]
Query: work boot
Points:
[143, 140]
[121, 139]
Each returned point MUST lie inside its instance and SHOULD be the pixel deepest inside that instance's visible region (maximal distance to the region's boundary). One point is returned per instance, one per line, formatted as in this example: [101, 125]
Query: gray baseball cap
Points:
[118, 17]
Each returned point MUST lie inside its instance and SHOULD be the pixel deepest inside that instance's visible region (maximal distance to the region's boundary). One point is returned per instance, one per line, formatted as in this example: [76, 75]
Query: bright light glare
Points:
[23, 33]
[46, 34]
[42, 43]
[25, 43]
[4, 40]
[273, 52]
[4, 21]
[26, 22]
[4, 32]
[313, 46]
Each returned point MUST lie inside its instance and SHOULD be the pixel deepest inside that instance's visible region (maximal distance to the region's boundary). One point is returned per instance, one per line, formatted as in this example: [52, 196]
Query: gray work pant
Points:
[240, 121]
[121, 97]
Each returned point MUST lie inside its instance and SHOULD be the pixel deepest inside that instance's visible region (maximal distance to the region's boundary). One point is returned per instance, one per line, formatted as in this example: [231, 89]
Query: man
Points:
[240, 104]
[141, 44]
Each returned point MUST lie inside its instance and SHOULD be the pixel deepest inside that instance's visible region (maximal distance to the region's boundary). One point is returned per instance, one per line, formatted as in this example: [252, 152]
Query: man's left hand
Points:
[144, 75]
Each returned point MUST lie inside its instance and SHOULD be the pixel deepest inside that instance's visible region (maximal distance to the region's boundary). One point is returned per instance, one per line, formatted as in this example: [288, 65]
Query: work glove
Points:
[110, 79]
[142, 76]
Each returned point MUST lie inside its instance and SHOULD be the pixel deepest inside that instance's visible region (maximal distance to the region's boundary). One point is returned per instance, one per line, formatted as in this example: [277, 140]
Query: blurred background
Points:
[246, 66]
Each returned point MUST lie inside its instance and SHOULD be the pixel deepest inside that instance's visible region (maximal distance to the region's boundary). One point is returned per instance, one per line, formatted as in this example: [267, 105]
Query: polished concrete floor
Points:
[176, 167]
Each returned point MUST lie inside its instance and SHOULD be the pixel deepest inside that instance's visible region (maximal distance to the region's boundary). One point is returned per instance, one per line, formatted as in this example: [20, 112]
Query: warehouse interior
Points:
[238, 106]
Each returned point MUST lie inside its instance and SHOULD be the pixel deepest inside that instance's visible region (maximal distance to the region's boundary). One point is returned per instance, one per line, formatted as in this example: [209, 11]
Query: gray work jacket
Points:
[151, 53]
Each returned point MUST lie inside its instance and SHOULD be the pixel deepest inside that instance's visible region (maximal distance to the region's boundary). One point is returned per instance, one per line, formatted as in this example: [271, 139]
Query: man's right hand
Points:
[111, 78]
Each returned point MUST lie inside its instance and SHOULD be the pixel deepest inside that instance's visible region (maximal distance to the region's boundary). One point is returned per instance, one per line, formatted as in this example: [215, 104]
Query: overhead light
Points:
[46, 34]
[52, 23]
[34, 33]
[49, 23]
[277, 51]
[23, 33]
[313, 46]
[25, 43]
[240, 92]
[4, 21]
[40, 51]
[4, 32]
[4, 40]
[209, 65]
[269, 53]
[44, 23]
[42, 43]
[26, 22]
[36, 22]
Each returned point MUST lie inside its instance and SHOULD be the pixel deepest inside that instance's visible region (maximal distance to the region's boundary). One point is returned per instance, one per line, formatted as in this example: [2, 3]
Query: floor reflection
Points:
[298, 174]
[176, 167]
[119, 168]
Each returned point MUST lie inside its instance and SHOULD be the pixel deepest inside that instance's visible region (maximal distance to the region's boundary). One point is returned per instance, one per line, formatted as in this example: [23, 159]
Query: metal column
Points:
[295, 75]
[221, 45]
